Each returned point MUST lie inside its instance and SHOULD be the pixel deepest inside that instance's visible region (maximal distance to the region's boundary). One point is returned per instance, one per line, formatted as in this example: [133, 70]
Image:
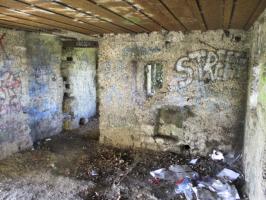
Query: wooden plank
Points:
[22, 21]
[98, 13]
[197, 13]
[182, 11]
[242, 12]
[14, 25]
[212, 11]
[42, 21]
[260, 8]
[156, 10]
[228, 12]
[26, 8]
[13, 28]
[126, 10]
[78, 16]
[81, 44]
[17, 28]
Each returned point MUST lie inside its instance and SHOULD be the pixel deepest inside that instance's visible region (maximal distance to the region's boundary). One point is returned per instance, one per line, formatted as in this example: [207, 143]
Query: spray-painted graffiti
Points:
[42, 106]
[9, 129]
[10, 92]
[39, 82]
[211, 65]
[43, 109]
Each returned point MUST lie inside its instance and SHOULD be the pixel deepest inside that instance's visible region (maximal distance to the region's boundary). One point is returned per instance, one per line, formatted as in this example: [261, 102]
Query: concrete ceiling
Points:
[129, 16]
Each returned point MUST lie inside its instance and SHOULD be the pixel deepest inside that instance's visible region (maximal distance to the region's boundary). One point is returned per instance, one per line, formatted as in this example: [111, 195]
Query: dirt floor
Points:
[75, 166]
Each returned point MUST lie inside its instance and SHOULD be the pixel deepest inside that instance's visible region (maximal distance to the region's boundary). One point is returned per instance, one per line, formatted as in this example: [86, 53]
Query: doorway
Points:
[78, 69]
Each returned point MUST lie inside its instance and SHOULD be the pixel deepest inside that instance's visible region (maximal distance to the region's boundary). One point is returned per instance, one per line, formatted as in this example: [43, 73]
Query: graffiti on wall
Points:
[210, 65]
[41, 76]
[9, 130]
[42, 107]
[10, 92]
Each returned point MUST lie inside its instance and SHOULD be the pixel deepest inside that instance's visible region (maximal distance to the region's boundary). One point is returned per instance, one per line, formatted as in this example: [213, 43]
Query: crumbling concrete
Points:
[203, 92]
[30, 89]
[255, 128]
[79, 74]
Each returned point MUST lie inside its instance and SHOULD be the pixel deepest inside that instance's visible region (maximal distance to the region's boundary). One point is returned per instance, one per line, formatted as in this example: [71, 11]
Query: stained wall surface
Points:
[255, 128]
[30, 96]
[79, 72]
[45, 85]
[198, 102]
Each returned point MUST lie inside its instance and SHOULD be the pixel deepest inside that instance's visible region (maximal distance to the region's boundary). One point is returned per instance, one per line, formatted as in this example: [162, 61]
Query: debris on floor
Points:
[201, 187]
[107, 173]
[217, 155]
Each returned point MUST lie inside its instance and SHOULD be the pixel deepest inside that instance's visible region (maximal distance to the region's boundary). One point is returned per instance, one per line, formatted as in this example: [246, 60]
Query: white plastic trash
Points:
[194, 161]
[228, 173]
[217, 155]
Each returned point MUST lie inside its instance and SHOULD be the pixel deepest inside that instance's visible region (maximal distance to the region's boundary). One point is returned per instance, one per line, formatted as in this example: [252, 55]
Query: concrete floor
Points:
[74, 165]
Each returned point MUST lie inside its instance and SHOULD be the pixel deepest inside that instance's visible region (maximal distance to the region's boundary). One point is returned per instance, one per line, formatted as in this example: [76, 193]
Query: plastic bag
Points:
[184, 186]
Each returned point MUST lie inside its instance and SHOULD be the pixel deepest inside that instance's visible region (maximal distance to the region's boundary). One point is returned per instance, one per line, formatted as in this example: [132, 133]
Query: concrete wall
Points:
[200, 102]
[79, 72]
[30, 96]
[255, 128]
[45, 85]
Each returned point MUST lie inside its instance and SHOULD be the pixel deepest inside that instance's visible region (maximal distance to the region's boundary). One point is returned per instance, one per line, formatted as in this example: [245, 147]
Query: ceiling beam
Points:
[15, 25]
[212, 12]
[59, 8]
[129, 13]
[104, 14]
[156, 10]
[90, 17]
[182, 12]
[43, 21]
[260, 8]
[146, 14]
[242, 11]
[26, 22]
[45, 13]
[228, 13]
[194, 5]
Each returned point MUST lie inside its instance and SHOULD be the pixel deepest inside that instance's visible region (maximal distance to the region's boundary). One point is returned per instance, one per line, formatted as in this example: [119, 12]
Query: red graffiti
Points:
[10, 89]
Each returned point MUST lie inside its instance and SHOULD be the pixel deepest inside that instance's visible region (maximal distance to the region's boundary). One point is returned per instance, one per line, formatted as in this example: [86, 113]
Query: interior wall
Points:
[201, 103]
[30, 89]
[45, 85]
[79, 74]
[255, 128]
[14, 127]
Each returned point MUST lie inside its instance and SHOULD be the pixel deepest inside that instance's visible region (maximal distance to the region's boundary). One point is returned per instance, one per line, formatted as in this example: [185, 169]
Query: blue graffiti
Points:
[43, 110]
[37, 89]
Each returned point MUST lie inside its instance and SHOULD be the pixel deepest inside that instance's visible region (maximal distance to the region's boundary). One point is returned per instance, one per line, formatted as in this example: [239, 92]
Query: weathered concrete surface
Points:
[79, 72]
[14, 123]
[42, 186]
[45, 85]
[204, 90]
[30, 89]
[255, 128]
